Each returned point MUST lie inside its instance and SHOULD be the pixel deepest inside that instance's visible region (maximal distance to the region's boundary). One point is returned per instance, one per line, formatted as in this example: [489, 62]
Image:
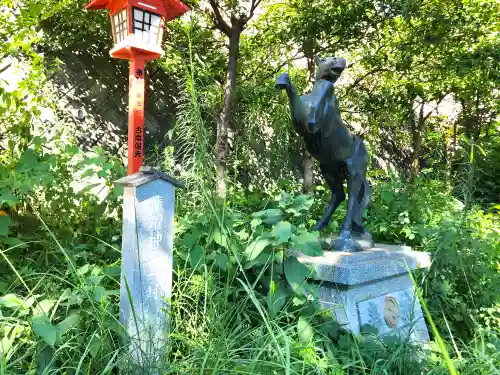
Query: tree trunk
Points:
[455, 135]
[307, 165]
[417, 146]
[223, 126]
[416, 135]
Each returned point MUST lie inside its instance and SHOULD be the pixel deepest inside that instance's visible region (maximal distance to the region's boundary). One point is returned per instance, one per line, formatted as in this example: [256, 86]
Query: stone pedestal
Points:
[146, 277]
[371, 290]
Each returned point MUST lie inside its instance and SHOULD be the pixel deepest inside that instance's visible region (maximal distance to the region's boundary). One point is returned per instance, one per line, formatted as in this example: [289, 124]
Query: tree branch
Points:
[357, 81]
[280, 66]
[435, 108]
[253, 7]
[218, 20]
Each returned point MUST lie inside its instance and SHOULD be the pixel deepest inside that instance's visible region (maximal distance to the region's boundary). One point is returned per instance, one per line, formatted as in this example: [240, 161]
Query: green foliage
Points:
[240, 302]
[58, 285]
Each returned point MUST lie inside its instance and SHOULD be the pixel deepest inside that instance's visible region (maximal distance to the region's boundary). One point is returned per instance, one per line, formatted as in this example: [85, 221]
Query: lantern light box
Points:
[139, 24]
[137, 33]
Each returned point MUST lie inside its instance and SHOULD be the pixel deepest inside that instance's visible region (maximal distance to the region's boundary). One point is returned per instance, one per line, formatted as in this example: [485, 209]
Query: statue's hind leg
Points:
[358, 230]
[334, 177]
[356, 168]
[345, 242]
[364, 199]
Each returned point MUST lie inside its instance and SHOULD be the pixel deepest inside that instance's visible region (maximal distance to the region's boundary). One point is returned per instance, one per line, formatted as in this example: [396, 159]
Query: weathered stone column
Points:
[146, 276]
[371, 290]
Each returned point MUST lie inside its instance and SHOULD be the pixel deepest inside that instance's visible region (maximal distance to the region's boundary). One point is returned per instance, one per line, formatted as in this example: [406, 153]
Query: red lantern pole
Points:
[137, 30]
[136, 113]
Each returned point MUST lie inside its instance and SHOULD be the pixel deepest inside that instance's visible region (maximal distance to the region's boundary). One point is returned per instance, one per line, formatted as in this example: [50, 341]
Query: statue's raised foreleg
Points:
[299, 115]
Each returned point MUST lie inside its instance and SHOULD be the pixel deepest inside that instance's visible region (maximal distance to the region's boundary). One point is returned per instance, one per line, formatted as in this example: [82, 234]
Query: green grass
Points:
[209, 333]
[59, 315]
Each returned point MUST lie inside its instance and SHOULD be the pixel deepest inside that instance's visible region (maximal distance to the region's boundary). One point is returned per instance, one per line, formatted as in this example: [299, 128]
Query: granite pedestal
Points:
[371, 290]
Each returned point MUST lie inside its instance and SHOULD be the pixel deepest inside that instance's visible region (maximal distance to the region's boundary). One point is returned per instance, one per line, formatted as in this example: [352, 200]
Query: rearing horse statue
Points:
[341, 155]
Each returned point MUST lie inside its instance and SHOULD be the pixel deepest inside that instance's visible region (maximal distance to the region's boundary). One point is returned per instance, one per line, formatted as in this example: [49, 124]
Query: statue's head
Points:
[329, 68]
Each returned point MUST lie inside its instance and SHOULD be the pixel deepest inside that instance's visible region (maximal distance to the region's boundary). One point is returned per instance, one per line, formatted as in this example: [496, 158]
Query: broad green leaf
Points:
[260, 260]
[255, 222]
[93, 280]
[277, 298]
[296, 273]
[222, 261]
[83, 269]
[255, 248]
[8, 199]
[196, 256]
[95, 345]
[5, 223]
[220, 237]
[270, 216]
[43, 327]
[299, 300]
[27, 161]
[101, 208]
[282, 232]
[386, 196]
[44, 359]
[258, 214]
[14, 242]
[273, 216]
[44, 306]
[113, 271]
[189, 239]
[13, 301]
[331, 328]
[301, 203]
[99, 293]
[7, 341]
[242, 234]
[308, 244]
[68, 323]
[304, 330]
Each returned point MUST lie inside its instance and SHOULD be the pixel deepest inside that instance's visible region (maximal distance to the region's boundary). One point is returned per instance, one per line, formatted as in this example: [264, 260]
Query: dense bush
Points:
[240, 304]
[234, 288]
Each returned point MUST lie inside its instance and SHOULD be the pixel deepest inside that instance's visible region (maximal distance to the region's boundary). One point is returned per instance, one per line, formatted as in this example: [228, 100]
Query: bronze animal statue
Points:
[341, 155]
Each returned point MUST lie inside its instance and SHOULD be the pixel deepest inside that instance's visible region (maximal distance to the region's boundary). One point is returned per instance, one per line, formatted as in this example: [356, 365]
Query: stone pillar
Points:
[371, 290]
[146, 276]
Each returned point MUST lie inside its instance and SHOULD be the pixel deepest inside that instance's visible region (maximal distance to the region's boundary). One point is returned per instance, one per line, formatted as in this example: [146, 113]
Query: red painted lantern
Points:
[137, 32]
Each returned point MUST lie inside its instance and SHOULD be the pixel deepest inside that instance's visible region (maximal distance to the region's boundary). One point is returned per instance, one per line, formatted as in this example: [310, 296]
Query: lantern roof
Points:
[173, 8]
[147, 174]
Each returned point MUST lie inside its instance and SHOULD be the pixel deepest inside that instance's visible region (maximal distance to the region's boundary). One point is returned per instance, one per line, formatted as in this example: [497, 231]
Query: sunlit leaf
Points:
[255, 248]
[304, 330]
[296, 273]
[219, 237]
[43, 327]
[308, 244]
[68, 323]
[282, 232]
[301, 203]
